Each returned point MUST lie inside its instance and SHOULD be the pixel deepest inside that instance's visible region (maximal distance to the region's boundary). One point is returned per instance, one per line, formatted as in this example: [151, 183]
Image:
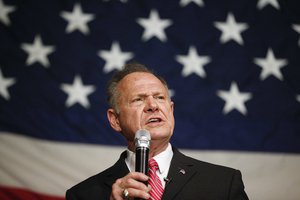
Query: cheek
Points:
[131, 119]
[169, 110]
[171, 116]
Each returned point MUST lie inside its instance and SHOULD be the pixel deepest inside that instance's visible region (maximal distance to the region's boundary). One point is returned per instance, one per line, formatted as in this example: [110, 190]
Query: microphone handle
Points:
[141, 162]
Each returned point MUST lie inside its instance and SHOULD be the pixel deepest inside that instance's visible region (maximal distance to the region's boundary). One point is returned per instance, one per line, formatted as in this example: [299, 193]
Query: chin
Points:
[156, 134]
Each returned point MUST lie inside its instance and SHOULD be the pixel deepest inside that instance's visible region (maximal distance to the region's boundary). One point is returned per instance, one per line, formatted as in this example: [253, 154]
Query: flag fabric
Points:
[233, 70]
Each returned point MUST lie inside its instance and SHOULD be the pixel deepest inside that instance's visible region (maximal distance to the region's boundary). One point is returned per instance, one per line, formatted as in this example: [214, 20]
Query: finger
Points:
[149, 188]
[135, 193]
[117, 191]
[133, 179]
[138, 176]
[132, 183]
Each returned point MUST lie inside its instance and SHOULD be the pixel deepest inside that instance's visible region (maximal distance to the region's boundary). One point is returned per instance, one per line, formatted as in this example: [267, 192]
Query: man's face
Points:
[144, 104]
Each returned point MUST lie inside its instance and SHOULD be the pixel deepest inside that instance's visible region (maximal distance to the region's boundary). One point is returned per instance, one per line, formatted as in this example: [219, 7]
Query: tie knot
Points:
[153, 164]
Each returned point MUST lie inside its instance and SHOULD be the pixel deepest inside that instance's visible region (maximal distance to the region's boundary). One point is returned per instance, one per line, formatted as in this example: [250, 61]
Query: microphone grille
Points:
[142, 138]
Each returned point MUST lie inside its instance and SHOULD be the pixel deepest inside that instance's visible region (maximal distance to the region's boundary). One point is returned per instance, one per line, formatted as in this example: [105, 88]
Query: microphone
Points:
[142, 144]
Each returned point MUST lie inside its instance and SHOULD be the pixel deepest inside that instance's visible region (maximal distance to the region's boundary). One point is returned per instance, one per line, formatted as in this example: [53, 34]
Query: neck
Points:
[155, 148]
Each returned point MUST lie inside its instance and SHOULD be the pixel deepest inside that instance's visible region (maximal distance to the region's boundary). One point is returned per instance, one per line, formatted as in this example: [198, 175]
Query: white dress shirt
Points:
[163, 160]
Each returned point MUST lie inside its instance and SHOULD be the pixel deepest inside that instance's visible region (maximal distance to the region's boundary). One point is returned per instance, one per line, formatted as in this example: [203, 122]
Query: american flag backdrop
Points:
[233, 68]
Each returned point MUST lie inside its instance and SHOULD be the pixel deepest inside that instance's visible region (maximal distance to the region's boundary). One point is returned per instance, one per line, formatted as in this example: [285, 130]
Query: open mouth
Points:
[154, 120]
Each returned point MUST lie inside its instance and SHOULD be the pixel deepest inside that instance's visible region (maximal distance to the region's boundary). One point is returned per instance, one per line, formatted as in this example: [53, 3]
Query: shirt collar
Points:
[163, 159]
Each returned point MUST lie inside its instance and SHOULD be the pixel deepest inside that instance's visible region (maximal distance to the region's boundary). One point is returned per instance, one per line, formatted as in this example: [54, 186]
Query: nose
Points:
[151, 105]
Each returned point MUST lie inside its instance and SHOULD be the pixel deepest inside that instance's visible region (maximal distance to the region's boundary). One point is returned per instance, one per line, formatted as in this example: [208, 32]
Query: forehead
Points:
[139, 81]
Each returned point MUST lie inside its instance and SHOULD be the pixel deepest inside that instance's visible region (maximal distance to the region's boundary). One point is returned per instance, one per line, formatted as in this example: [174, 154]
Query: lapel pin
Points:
[182, 171]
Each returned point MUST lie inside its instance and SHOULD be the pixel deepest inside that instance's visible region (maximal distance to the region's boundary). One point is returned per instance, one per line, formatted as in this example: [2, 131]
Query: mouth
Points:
[154, 120]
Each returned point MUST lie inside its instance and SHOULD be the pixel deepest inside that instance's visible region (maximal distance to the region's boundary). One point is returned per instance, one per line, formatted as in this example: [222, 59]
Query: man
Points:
[139, 99]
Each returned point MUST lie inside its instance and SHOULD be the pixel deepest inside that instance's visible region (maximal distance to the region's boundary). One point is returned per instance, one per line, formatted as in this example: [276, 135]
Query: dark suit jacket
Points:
[189, 179]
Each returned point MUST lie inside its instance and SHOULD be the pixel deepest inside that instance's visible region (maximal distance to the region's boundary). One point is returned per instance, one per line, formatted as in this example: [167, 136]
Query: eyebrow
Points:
[152, 94]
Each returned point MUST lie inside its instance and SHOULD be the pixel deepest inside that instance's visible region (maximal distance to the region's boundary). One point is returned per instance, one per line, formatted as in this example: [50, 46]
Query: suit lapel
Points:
[180, 172]
[118, 170]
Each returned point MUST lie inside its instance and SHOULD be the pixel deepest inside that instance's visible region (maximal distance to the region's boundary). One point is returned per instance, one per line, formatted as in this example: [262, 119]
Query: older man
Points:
[138, 100]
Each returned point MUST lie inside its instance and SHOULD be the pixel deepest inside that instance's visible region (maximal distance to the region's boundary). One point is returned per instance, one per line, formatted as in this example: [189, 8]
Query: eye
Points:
[137, 99]
[160, 97]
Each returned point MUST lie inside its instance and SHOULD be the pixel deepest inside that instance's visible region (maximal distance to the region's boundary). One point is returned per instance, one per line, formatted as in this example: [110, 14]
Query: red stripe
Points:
[154, 181]
[10, 193]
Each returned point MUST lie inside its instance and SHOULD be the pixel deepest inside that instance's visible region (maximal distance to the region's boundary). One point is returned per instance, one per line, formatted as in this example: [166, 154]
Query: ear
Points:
[172, 106]
[113, 119]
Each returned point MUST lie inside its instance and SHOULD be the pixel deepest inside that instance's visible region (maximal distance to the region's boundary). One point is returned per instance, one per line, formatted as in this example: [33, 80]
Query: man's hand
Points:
[132, 182]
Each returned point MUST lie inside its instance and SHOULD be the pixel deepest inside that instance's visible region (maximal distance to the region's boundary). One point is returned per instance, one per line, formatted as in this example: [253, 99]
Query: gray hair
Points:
[112, 92]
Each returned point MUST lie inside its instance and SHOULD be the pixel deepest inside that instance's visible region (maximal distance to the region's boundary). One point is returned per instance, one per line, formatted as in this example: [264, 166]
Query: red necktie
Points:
[157, 188]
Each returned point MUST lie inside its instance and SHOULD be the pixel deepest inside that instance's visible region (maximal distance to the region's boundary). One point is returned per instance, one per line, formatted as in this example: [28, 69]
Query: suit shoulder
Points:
[213, 172]
[211, 167]
[103, 179]
[215, 181]
[93, 180]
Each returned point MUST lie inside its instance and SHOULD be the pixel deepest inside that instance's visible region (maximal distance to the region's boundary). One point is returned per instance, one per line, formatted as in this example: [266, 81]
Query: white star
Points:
[234, 99]
[5, 83]
[270, 65]
[296, 27]
[37, 52]
[114, 58]
[231, 30]
[262, 3]
[186, 2]
[154, 26]
[193, 63]
[77, 20]
[77, 92]
[4, 12]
